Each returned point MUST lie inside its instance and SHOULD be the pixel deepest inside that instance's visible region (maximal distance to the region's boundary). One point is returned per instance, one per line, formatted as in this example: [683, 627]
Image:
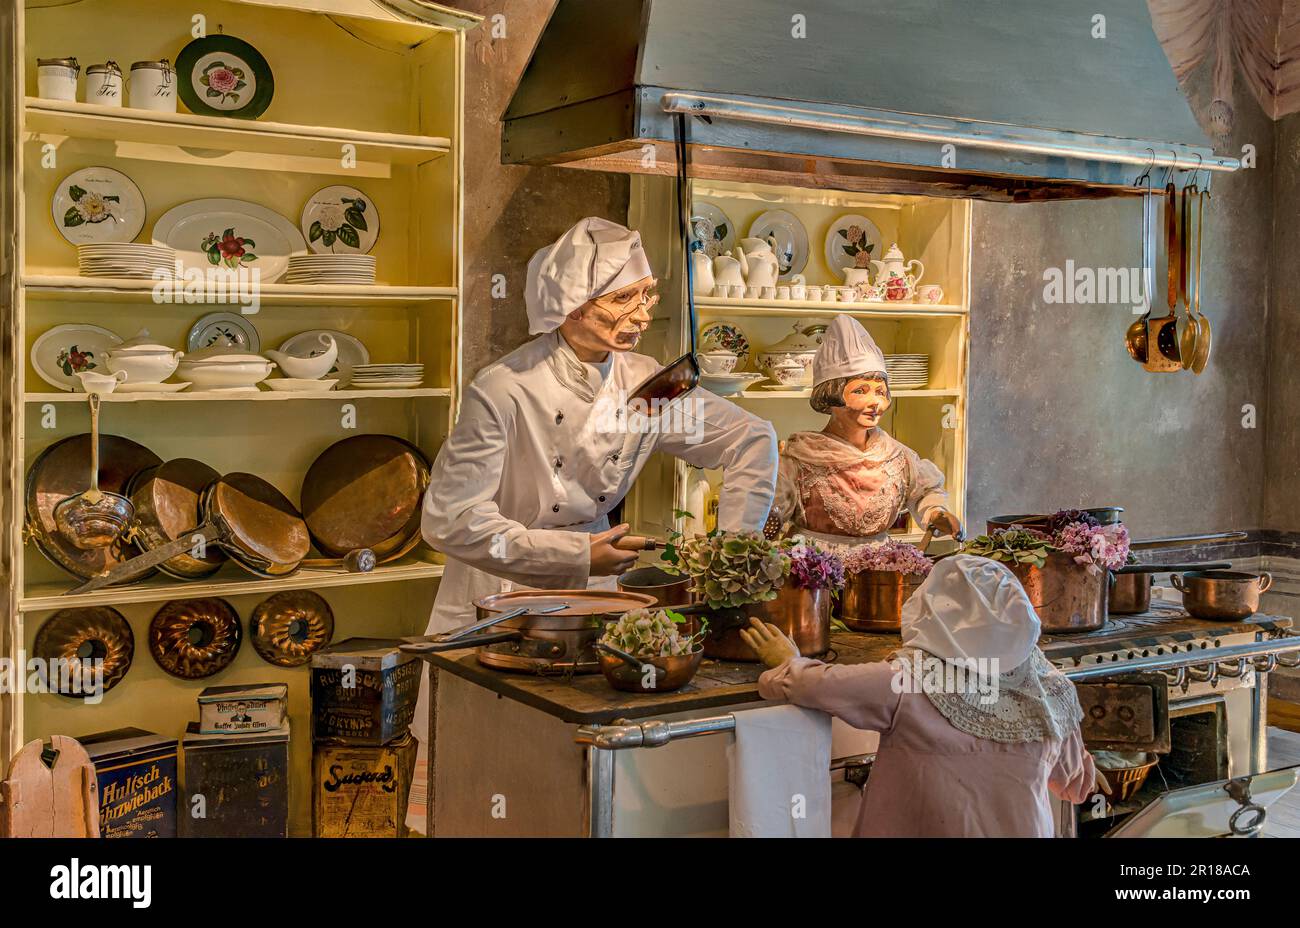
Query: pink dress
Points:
[930, 779]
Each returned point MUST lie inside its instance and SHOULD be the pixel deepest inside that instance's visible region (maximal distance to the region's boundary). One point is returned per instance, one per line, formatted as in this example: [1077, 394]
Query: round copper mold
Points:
[86, 633]
[259, 527]
[166, 499]
[365, 492]
[195, 638]
[288, 628]
[58, 473]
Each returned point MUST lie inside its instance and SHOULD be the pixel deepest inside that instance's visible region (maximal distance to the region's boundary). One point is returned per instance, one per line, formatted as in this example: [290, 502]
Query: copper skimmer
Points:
[1135, 339]
[1162, 332]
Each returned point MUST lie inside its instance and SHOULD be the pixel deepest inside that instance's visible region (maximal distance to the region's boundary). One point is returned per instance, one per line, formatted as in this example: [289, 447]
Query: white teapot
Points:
[758, 262]
[892, 277]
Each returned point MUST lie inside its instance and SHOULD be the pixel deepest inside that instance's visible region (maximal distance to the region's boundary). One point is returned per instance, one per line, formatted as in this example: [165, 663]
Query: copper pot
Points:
[872, 600]
[667, 589]
[1068, 597]
[1221, 594]
[1130, 594]
[804, 615]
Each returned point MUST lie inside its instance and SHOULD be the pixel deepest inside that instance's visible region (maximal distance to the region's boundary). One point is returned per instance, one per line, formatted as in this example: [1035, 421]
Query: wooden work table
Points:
[587, 699]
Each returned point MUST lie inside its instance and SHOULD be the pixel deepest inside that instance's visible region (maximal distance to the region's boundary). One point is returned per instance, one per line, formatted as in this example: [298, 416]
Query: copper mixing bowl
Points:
[677, 671]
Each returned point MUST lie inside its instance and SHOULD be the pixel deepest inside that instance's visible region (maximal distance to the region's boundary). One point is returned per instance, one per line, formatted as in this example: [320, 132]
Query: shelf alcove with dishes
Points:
[921, 326]
[367, 101]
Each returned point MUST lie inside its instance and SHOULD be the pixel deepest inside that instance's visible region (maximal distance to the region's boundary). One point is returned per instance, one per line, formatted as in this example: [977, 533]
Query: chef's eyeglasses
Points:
[624, 302]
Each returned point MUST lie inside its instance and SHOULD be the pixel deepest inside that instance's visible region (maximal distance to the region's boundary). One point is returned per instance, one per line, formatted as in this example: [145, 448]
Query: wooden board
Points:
[56, 800]
[587, 699]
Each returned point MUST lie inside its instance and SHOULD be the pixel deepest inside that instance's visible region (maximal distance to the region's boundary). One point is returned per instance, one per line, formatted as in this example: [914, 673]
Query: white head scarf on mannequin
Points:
[847, 349]
[970, 609]
[593, 258]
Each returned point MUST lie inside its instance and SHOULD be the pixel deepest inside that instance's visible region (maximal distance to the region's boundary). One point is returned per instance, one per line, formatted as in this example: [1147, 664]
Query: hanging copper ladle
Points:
[95, 518]
[1135, 339]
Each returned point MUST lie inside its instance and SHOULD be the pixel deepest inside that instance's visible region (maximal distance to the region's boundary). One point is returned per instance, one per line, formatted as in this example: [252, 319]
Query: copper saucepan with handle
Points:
[537, 630]
[252, 521]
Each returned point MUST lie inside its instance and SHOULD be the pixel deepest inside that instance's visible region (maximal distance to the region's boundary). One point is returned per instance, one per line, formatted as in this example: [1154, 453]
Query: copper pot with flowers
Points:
[1064, 566]
[738, 575]
[878, 578]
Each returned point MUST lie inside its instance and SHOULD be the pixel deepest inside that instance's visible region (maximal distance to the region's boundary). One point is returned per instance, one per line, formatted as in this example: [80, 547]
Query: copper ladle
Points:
[94, 518]
[1203, 335]
[1190, 334]
[1135, 339]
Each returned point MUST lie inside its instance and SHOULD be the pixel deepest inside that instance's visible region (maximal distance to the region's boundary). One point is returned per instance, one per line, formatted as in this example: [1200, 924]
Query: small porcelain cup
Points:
[783, 293]
[813, 294]
[798, 287]
[929, 293]
[737, 291]
[767, 293]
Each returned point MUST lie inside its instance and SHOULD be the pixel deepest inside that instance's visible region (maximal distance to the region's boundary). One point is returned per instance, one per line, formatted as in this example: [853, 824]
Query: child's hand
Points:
[773, 646]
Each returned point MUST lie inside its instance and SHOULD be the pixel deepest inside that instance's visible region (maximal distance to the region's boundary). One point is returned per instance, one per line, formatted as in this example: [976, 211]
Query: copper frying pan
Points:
[363, 492]
[247, 517]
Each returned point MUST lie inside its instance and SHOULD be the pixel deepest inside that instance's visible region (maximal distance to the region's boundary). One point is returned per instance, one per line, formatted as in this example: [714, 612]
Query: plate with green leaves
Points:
[98, 206]
[340, 220]
[220, 75]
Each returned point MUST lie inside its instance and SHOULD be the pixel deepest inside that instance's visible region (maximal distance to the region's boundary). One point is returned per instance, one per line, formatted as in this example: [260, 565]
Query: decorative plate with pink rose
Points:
[220, 75]
[852, 241]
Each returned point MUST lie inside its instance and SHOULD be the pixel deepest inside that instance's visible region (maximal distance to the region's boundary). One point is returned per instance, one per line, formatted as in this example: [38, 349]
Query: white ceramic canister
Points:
[104, 84]
[56, 78]
[153, 86]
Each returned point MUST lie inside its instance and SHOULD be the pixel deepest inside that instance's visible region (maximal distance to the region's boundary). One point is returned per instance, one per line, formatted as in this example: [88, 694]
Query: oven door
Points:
[1126, 712]
[1236, 808]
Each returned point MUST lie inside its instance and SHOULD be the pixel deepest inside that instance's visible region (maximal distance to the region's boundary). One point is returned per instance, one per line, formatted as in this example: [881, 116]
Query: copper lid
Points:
[166, 501]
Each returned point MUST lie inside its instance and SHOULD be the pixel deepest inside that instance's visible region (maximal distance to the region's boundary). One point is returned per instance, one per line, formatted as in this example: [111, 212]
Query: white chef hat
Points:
[846, 349]
[593, 258]
[971, 607]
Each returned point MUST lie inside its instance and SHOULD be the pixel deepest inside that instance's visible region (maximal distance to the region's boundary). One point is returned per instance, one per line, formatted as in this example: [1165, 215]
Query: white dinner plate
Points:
[218, 233]
[710, 225]
[60, 353]
[847, 236]
[230, 329]
[299, 385]
[97, 206]
[340, 220]
[791, 239]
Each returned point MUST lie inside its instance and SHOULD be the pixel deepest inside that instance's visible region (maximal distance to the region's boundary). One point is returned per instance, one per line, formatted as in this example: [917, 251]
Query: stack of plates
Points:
[386, 376]
[126, 260]
[908, 371]
[330, 269]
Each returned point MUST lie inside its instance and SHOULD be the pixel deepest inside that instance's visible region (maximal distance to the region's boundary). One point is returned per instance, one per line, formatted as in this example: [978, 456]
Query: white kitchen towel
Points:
[780, 774]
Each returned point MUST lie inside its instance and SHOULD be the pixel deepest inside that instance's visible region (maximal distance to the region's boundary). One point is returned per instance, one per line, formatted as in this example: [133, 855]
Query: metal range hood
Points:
[993, 99]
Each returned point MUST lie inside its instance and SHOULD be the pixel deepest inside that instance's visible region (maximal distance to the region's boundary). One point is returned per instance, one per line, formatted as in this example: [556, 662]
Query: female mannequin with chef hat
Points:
[544, 446]
[848, 483]
[977, 728]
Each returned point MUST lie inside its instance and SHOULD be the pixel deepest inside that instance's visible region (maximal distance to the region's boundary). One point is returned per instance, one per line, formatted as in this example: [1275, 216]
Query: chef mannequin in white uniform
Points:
[540, 454]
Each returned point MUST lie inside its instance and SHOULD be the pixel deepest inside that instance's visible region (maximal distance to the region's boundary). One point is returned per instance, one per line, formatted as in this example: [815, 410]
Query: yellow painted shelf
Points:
[804, 394]
[213, 396]
[184, 130]
[716, 304]
[229, 581]
[70, 288]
